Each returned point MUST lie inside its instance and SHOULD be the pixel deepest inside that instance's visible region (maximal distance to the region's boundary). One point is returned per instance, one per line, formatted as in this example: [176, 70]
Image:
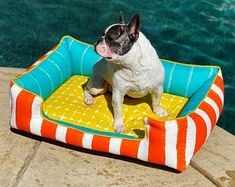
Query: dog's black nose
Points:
[99, 40]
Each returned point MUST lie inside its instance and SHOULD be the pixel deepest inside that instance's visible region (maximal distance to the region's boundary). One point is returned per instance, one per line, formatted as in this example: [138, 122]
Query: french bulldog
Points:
[130, 66]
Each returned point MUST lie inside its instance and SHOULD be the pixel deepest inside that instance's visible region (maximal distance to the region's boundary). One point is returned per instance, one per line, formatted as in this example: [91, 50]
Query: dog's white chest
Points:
[135, 84]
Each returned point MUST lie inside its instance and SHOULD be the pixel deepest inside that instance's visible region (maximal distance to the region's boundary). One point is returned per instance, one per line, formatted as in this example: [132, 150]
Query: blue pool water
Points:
[198, 32]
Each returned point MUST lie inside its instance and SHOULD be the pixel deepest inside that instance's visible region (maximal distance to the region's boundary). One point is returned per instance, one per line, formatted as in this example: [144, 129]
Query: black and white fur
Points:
[130, 66]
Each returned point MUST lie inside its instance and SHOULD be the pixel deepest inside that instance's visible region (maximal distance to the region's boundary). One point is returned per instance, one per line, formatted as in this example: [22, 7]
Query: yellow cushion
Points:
[67, 104]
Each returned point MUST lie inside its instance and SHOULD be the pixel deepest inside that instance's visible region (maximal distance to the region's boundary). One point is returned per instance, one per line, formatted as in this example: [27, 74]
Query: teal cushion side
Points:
[184, 80]
[197, 77]
[46, 77]
[168, 67]
[175, 78]
[83, 57]
[197, 97]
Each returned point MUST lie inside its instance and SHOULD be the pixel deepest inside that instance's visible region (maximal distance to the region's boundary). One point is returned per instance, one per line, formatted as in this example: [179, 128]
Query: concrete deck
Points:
[27, 160]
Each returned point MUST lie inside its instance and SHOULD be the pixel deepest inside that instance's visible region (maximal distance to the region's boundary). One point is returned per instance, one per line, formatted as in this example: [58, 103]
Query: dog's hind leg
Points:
[95, 86]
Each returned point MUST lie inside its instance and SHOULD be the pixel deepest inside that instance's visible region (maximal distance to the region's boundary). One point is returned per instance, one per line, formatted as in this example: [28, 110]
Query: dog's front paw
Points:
[89, 100]
[159, 111]
[119, 127]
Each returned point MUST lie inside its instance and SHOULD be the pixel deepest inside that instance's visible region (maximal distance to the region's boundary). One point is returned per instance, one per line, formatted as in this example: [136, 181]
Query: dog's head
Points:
[119, 38]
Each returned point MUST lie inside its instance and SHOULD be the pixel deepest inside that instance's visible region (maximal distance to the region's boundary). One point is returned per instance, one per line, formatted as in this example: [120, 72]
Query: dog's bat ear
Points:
[121, 18]
[133, 27]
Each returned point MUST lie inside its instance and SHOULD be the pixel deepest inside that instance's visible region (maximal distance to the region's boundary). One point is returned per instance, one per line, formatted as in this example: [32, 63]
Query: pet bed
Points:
[47, 100]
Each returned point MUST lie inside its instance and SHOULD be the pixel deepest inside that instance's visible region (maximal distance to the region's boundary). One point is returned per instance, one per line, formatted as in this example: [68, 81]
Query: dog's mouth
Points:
[103, 49]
